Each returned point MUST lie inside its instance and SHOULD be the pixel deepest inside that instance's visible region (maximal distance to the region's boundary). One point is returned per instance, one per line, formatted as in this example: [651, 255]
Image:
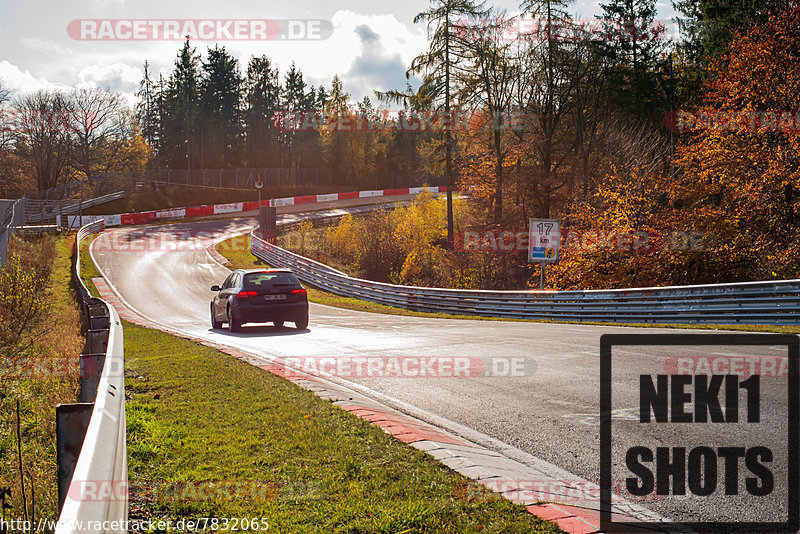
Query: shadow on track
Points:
[262, 330]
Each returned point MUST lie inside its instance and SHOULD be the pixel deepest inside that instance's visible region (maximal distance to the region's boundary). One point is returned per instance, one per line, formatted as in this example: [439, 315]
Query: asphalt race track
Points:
[551, 411]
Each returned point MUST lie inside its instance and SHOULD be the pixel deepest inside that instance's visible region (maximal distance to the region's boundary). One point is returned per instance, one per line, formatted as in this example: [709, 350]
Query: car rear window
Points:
[264, 280]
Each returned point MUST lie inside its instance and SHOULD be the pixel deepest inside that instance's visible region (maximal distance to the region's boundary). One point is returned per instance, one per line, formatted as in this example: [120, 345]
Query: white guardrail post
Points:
[95, 496]
[771, 302]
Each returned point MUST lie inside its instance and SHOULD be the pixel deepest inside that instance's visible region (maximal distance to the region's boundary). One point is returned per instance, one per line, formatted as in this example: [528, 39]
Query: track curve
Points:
[550, 413]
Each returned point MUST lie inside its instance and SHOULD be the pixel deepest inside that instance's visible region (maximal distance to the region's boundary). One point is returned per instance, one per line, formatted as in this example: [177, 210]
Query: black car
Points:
[259, 296]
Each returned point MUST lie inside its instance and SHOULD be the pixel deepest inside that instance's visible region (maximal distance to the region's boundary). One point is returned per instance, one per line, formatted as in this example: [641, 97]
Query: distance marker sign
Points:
[544, 240]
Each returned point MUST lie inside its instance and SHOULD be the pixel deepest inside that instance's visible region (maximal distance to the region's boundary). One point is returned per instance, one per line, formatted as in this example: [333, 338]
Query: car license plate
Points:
[279, 296]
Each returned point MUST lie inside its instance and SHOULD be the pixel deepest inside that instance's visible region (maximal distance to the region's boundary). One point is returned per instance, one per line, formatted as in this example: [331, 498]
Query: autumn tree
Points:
[730, 211]
[446, 20]
[15, 174]
[490, 84]
[742, 169]
[42, 135]
[97, 120]
[590, 112]
[411, 152]
[708, 26]
[337, 143]
[546, 98]
[6, 122]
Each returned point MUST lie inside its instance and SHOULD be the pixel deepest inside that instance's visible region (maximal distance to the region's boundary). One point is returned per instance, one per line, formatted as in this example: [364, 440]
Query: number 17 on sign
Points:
[544, 243]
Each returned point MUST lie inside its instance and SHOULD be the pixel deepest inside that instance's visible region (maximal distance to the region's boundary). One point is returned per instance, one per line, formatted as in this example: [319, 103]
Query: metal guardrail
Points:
[93, 464]
[39, 211]
[772, 302]
[153, 179]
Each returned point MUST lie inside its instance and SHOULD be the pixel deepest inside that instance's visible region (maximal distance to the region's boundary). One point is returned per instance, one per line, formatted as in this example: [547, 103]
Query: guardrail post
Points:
[97, 341]
[91, 367]
[267, 221]
[72, 420]
[97, 317]
[3, 246]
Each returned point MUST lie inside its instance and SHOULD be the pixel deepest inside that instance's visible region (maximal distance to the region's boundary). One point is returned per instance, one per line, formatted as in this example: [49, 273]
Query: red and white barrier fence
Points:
[238, 207]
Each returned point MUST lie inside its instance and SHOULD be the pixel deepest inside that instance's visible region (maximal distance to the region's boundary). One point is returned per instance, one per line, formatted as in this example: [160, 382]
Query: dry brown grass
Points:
[39, 394]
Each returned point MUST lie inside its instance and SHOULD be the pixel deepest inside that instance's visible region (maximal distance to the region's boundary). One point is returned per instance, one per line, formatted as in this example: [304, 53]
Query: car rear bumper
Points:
[266, 313]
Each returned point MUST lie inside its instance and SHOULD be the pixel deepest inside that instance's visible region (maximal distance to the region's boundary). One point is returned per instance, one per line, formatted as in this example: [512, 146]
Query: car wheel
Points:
[215, 325]
[233, 324]
[301, 323]
[278, 324]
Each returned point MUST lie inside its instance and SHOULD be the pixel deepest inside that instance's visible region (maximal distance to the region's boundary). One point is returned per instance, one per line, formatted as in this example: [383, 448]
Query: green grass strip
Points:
[305, 465]
[88, 269]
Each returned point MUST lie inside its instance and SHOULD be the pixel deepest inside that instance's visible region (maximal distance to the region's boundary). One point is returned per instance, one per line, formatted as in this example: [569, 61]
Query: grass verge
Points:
[304, 465]
[240, 258]
[88, 270]
[40, 377]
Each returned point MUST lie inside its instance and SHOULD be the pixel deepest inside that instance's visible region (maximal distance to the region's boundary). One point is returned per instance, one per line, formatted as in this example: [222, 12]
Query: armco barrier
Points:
[239, 207]
[101, 465]
[775, 302]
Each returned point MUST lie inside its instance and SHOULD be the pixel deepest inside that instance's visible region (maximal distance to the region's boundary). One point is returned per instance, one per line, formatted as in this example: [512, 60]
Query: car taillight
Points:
[247, 294]
[300, 291]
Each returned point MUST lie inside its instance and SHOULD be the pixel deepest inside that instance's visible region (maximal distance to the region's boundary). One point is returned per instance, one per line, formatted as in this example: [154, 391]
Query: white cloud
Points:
[370, 52]
[20, 82]
[44, 46]
[369, 47]
[394, 35]
[117, 77]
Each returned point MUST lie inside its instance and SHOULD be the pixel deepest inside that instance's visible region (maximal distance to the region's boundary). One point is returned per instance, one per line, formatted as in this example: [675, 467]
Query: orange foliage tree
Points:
[741, 172]
[631, 235]
[729, 211]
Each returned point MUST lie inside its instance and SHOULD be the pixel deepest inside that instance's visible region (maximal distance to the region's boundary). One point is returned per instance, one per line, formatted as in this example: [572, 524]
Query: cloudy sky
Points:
[57, 43]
